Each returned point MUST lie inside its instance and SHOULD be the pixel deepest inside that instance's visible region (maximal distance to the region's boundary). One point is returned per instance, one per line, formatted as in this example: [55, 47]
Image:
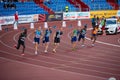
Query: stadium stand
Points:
[35, 7]
[59, 5]
[114, 4]
[98, 4]
[23, 9]
[79, 4]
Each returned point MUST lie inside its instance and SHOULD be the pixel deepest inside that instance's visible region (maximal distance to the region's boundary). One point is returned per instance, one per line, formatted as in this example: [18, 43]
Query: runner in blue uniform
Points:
[38, 35]
[46, 40]
[74, 38]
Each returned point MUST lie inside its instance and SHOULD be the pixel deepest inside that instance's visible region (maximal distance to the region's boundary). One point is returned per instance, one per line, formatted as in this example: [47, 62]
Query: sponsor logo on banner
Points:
[6, 20]
[28, 18]
[22, 19]
[107, 13]
[69, 16]
[55, 17]
[83, 15]
[76, 15]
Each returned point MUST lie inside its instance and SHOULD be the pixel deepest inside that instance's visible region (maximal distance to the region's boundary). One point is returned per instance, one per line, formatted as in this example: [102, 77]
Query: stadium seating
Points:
[97, 4]
[119, 3]
[59, 5]
[56, 5]
[23, 9]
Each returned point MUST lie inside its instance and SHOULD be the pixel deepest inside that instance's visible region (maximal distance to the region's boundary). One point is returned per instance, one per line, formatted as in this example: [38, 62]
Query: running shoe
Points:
[22, 54]
[93, 44]
[83, 45]
[54, 51]
[45, 51]
[15, 46]
[36, 53]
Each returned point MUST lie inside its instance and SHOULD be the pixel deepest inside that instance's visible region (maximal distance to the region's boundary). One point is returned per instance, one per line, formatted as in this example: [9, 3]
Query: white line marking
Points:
[119, 40]
[54, 63]
[51, 68]
[98, 41]
[69, 57]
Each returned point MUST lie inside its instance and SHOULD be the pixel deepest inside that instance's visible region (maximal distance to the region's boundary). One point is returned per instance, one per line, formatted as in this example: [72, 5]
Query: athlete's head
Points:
[16, 12]
[61, 28]
[39, 28]
[25, 31]
[85, 26]
[49, 28]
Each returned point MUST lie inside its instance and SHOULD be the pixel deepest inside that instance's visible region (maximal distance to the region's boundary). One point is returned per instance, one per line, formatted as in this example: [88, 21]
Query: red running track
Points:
[86, 63]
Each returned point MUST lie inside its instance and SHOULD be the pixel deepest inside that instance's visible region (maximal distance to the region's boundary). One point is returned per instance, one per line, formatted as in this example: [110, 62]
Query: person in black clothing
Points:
[21, 40]
[94, 21]
[56, 38]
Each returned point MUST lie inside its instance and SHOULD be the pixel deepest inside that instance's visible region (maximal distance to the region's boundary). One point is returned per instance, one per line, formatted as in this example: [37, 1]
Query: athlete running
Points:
[57, 37]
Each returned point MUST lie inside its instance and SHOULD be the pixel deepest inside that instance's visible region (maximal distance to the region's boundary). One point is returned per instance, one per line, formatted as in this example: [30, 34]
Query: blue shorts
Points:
[37, 40]
[46, 39]
[74, 39]
[94, 35]
[81, 36]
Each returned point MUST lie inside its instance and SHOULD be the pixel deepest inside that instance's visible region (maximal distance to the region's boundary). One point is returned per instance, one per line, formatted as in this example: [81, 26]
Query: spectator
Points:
[118, 20]
[1, 1]
[103, 22]
[92, 0]
[48, 1]
[66, 8]
[13, 6]
[94, 20]
[5, 6]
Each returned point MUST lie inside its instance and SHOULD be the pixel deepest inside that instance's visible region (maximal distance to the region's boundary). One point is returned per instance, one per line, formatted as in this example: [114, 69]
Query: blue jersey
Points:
[47, 33]
[38, 33]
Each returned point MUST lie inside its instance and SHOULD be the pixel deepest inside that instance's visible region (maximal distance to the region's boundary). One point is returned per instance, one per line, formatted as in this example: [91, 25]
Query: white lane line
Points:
[73, 57]
[52, 68]
[68, 57]
[119, 40]
[85, 55]
[58, 64]
[60, 59]
[109, 44]
[64, 65]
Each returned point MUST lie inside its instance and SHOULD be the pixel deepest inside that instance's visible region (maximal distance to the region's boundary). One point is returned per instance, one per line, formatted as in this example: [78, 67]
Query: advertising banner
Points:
[54, 17]
[69, 16]
[22, 19]
[6, 20]
[76, 15]
[83, 15]
[105, 13]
